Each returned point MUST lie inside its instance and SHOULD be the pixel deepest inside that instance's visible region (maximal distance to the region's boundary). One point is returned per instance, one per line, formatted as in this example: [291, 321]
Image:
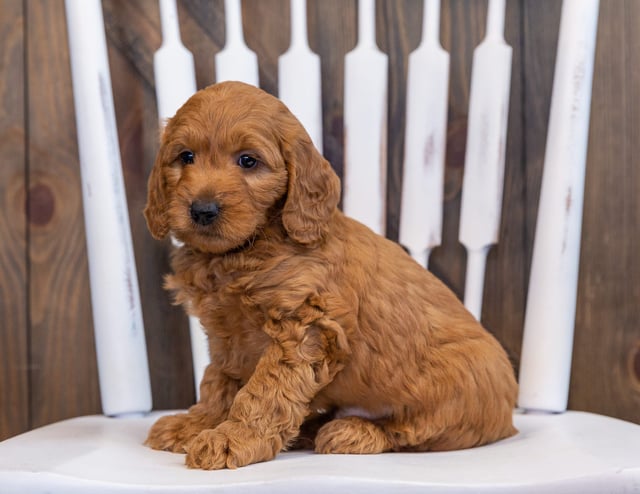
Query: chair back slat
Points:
[365, 126]
[547, 345]
[299, 78]
[425, 140]
[482, 186]
[117, 314]
[235, 62]
[173, 65]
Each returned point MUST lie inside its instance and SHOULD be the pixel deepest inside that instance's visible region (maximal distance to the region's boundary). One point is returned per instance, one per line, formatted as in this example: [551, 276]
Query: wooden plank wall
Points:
[14, 374]
[47, 357]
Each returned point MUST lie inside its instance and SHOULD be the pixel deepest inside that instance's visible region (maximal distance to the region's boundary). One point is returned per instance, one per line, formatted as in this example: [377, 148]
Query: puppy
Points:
[319, 330]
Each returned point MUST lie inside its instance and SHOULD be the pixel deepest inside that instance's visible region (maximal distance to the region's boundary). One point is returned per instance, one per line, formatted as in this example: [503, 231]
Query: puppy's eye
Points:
[246, 161]
[187, 157]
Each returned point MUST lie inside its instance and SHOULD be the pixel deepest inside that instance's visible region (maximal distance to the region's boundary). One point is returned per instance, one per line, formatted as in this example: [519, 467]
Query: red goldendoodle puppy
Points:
[319, 330]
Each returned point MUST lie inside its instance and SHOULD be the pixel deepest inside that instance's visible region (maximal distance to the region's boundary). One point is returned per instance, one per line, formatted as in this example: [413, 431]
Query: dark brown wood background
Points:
[47, 357]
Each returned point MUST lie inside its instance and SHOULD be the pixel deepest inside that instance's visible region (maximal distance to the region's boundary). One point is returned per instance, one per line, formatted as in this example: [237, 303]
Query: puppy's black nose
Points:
[203, 213]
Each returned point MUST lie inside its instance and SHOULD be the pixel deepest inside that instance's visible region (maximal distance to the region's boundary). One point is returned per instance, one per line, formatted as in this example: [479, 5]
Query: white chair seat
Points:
[570, 452]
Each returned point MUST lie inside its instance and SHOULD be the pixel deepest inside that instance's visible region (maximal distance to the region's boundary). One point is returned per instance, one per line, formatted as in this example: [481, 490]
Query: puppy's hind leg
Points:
[352, 435]
[444, 430]
[356, 435]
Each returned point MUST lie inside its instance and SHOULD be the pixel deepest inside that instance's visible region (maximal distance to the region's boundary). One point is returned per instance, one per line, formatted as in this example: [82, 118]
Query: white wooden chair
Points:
[555, 451]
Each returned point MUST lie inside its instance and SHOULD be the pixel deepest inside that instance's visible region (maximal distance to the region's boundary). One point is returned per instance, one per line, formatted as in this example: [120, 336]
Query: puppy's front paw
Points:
[230, 445]
[174, 432]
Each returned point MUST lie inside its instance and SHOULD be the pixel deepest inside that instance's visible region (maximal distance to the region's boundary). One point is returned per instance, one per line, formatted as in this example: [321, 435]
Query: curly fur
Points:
[321, 332]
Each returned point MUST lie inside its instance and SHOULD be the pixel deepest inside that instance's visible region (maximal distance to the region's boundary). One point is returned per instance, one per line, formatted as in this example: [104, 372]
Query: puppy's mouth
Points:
[208, 239]
[211, 232]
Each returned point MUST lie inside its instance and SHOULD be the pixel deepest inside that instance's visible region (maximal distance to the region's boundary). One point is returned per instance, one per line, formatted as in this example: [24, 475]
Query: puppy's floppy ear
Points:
[313, 190]
[156, 210]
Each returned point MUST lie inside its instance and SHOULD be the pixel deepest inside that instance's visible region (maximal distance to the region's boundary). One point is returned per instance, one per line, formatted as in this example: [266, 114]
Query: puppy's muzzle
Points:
[203, 213]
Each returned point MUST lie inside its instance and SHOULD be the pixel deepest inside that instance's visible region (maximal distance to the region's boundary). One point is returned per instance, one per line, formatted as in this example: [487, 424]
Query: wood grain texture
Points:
[268, 36]
[332, 33]
[607, 334]
[63, 365]
[14, 385]
[50, 371]
[399, 27]
[203, 32]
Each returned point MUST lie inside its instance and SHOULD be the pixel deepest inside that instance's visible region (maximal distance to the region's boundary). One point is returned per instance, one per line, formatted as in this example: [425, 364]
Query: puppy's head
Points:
[232, 160]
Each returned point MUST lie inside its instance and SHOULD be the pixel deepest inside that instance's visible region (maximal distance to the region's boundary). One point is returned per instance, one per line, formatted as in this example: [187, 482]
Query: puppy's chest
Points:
[229, 309]
[223, 294]
[234, 299]
[233, 323]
